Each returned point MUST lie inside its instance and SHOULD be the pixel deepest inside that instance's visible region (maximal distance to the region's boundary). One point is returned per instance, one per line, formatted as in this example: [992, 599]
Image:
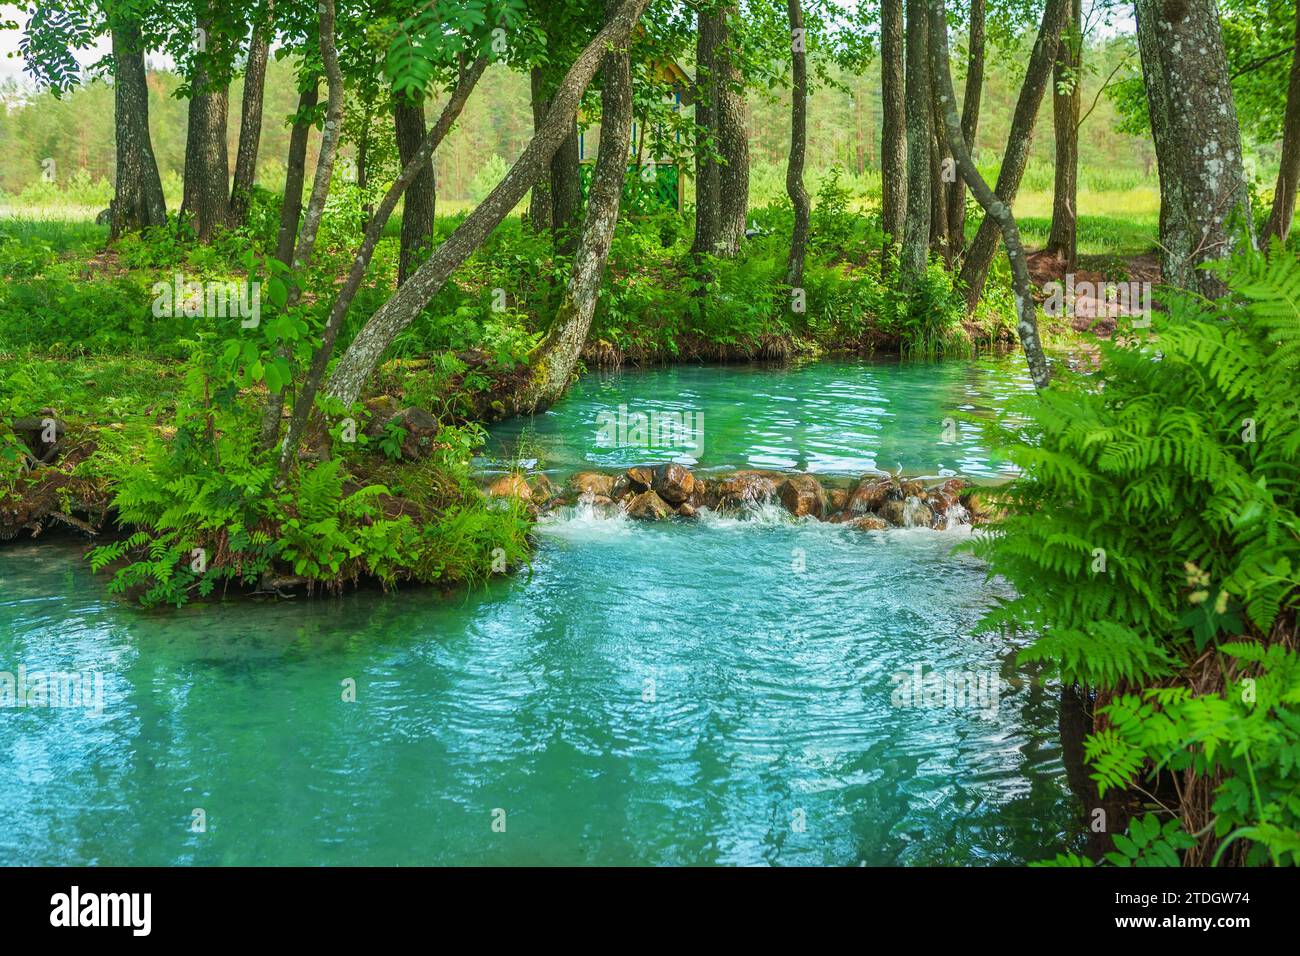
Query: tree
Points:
[979, 258]
[296, 168]
[970, 115]
[553, 362]
[206, 200]
[361, 357]
[421, 195]
[1198, 143]
[707, 207]
[250, 116]
[920, 125]
[137, 193]
[1288, 174]
[996, 209]
[893, 131]
[794, 184]
[723, 186]
[1067, 83]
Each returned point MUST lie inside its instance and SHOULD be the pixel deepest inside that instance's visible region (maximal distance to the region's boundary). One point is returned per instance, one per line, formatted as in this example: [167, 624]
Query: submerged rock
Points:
[511, 486]
[870, 493]
[868, 523]
[803, 496]
[673, 483]
[648, 506]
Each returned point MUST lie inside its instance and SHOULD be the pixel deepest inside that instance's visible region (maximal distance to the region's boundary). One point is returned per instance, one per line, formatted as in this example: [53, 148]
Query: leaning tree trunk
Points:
[1067, 94]
[995, 209]
[418, 208]
[557, 356]
[295, 174]
[137, 193]
[970, 117]
[915, 253]
[1288, 174]
[539, 205]
[975, 270]
[207, 163]
[304, 406]
[794, 184]
[893, 129]
[706, 167]
[250, 121]
[1198, 142]
[354, 368]
[733, 140]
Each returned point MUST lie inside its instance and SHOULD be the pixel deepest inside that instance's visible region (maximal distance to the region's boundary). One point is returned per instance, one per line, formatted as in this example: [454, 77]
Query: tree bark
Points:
[250, 120]
[411, 171]
[421, 195]
[1067, 95]
[996, 210]
[794, 184]
[1288, 174]
[566, 195]
[539, 205]
[1197, 139]
[920, 122]
[295, 174]
[975, 270]
[368, 347]
[137, 193]
[939, 153]
[893, 130]
[709, 35]
[207, 162]
[557, 356]
[733, 141]
[970, 117]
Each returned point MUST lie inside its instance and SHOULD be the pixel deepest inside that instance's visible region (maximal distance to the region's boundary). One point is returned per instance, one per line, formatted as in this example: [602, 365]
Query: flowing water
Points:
[739, 692]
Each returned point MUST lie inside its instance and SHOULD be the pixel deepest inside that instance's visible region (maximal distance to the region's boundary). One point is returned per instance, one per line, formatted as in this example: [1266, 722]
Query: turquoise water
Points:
[650, 694]
[842, 418]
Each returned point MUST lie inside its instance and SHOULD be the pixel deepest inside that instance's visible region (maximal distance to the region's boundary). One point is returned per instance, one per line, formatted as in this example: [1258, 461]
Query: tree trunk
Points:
[418, 208]
[1198, 143]
[354, 368]
[995, 209]
[295, 174]
[306, 245]
[941, 169]
[733, 141]
[539, 205]
[557, 356]
[920, 121]
[250, 120]
[137, 194]
[1288, 174]
[207, 163]
[975, 270]
[970, 117]
[361, 261]
[706, 167]
[1066, 98]
[893, 130]
[794, 184]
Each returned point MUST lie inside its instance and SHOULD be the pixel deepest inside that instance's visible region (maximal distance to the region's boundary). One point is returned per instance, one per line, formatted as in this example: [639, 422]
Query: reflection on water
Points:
[841, 418]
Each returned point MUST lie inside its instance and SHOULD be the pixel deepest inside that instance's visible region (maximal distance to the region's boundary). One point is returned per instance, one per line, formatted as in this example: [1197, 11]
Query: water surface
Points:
[649, 694]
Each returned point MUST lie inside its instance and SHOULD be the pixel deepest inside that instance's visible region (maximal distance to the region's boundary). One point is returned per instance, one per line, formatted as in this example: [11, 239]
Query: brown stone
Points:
[868, 523]
[590, 484]
[642, 478]
[746, 487]
[686, 510]
[648, 506]
[674, 483]
[838, 498]
[912, 489]
[803, 496]
[380, 410]
[511, 486]
[869, 495]
[420, 431]
[621, 488]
